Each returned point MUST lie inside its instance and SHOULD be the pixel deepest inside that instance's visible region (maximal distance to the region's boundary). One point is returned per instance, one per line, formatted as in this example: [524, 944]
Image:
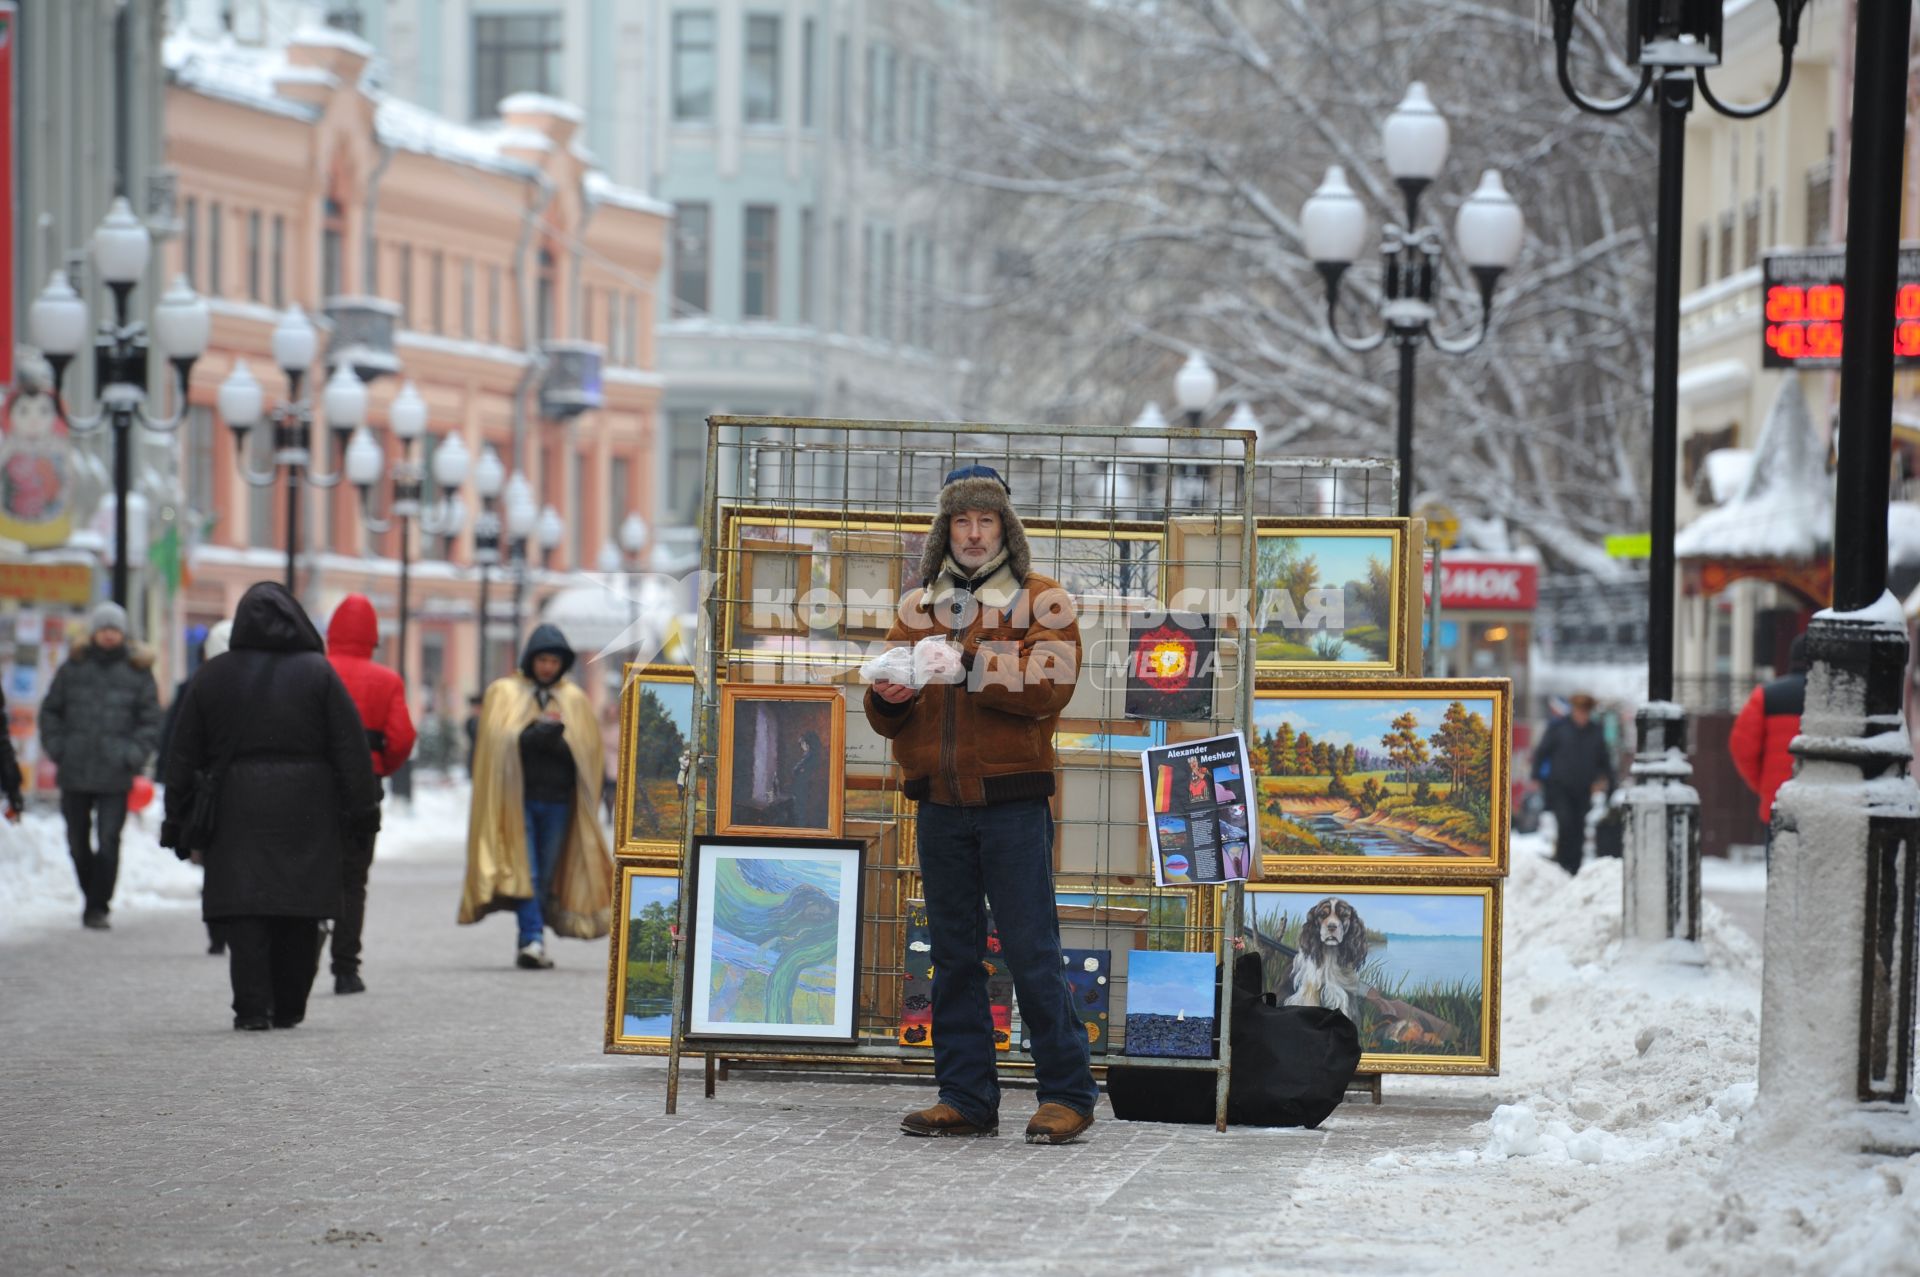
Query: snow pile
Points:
[433, 827]
[38, 884]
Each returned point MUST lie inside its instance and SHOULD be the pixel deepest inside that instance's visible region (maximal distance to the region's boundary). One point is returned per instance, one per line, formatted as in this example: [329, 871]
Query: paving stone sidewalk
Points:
[460, 1117]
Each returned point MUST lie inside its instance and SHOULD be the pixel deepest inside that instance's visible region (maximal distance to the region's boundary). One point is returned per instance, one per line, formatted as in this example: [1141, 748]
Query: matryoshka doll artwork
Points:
[36, 466]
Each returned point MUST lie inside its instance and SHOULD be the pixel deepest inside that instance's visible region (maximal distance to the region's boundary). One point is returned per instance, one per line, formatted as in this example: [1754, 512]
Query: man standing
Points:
[534, 843]
[381, 698]
[1572, 763]
[98, 723]
[976, 748]
[1768, 722]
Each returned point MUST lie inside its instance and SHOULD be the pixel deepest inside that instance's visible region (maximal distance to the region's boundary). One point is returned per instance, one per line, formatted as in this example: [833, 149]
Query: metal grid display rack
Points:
[831, 516]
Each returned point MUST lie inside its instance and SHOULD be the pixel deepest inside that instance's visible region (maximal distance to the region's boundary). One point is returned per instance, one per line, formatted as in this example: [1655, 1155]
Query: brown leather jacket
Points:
[989, 739]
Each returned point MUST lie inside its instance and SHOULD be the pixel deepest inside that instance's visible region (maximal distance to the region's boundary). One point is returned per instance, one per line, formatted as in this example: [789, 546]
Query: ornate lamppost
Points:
[1488, 232]
[1674, 44]
[182, 324]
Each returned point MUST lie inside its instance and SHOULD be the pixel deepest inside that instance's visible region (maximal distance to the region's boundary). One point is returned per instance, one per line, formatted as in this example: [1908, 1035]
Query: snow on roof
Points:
[1784, 509]
[602, 189]
[223, 69]
[332, 38]
[407, 127]
[1727, 471]
[1717, 380]
[540, 104]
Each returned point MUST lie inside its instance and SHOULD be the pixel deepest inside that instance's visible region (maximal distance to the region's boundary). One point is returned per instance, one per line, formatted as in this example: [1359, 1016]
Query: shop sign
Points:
[70, 584]
[1478, 584]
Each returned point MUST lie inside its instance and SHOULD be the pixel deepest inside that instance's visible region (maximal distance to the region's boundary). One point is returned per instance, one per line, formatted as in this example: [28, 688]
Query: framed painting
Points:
[1416, 966]
[782, 760]
[1372, 778]
[774, 939]
[656, 736]
[1330, 596]
[640, 957]
[1104, 567]
[769, 578]
[1171, 1004]
[864, 572]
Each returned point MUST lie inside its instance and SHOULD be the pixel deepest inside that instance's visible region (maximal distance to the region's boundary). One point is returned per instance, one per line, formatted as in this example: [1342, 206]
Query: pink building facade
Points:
[301, 186]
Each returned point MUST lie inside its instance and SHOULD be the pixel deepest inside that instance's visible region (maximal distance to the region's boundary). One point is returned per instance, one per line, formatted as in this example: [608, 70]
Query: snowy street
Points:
[461, 1115]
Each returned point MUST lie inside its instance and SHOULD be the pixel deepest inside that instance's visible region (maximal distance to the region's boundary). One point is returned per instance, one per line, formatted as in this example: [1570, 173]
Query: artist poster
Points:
[1170, 666]
[1203, 822]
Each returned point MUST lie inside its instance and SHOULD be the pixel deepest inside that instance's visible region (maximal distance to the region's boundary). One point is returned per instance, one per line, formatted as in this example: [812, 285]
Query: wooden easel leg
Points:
[709, 1059]
[673, 1080]
[723, 1070]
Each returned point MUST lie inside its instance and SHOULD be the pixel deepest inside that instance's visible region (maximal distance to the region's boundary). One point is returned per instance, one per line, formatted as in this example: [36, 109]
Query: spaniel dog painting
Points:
[1333, 948]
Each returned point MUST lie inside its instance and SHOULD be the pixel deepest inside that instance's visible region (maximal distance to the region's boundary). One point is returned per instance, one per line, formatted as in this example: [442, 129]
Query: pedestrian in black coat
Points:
[214, 644]
[299, 785]
[1572, 763]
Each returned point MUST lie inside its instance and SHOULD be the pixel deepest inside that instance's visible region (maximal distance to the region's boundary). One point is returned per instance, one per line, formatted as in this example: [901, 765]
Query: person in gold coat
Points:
[534, 842]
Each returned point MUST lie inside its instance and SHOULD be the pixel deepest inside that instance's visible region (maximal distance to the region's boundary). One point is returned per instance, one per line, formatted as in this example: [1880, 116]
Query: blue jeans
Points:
[1003, 853]
[546, 834]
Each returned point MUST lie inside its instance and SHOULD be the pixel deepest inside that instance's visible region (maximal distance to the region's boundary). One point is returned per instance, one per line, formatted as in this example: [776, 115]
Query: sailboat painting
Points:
[1170, 1004]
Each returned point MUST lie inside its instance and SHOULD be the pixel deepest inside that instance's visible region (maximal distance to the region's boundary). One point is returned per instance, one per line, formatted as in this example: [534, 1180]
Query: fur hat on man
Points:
[976, 487]
[107, 616]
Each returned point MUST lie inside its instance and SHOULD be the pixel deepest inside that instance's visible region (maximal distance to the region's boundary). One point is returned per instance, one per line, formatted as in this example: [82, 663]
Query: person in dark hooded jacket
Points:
[534, 841]
[382, 700]
[272, 728]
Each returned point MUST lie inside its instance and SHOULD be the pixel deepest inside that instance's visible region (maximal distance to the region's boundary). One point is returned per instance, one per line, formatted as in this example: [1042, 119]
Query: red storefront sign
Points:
[1468, 584]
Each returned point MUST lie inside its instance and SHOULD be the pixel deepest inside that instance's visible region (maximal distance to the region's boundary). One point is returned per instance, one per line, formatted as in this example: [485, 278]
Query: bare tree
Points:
[1132, 173]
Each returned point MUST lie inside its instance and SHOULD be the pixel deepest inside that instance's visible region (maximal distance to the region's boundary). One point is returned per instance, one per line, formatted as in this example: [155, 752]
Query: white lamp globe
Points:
[1243, 419]
[608, 560]
[1150, 418]
[1415, 137]
[633, 533]
[522, 513]
[1195, 384]
[364, 461]
[241, 399]
[121, 245]
[1490, 226]
[553, 529]
[182, 321]
[294, 341]
[1333, 221]
[57, 320]
[346, 399]
[450, 462]
[488, 474]
[408, 414]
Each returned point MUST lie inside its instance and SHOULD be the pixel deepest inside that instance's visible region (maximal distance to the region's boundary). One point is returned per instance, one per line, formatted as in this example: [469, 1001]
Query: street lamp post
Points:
[1674, 46]
[242, 404]
[182, 324]
[365, 462]
[488, 477]
[523, 518]
[1488, 231]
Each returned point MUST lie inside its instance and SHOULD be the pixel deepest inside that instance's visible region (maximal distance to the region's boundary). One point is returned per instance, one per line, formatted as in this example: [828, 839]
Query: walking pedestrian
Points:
[977, 754]
[534, 842]
[270, 745]
[1766, 726]
[99, 722]
[1572, 764]
[219, 635]
[381, 698]
[11, 780]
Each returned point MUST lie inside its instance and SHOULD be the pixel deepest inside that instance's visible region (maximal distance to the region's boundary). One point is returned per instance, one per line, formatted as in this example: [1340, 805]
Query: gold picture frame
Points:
[785, 777]
[874, 564]
[1435, 804]
[769, 571]
[649, 801]
[1442, 1015]
[639, 990]
[1300, 566]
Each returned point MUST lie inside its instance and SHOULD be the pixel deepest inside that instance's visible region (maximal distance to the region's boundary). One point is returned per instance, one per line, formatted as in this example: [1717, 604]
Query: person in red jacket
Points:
[381, 698]
[1767, 724]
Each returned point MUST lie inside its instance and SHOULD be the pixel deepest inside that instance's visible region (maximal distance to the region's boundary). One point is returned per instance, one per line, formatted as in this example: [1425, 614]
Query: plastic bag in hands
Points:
[895, 665]
[937, 660]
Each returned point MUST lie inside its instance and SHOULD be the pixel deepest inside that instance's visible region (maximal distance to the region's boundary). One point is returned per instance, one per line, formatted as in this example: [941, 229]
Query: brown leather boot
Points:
[944, 1119]
[1057, 1124]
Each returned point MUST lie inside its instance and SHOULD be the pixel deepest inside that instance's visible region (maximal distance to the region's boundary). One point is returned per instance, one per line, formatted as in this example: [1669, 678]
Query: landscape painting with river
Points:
[1405, 770]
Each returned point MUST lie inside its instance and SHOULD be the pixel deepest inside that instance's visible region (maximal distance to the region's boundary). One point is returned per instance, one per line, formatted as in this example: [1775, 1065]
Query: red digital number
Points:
[1786, 302]
[1906, 338]
[1827, 301]
[1906, 303]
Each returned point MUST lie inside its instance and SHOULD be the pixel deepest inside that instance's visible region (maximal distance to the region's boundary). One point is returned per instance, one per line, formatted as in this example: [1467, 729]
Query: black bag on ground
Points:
[1291, 1066]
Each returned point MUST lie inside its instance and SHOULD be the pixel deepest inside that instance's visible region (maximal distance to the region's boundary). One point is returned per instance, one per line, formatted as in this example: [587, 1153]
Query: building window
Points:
[513, 53]
[762, 95]
[889, 305]
[839, 274]
[930, 104]
[437, 300]
[760, 264]
[691, 247]
[493, 303]
[614, 347]
[842, 88]
[913, 104]
[808, 252]
[693, 69]
[254, 249]
[404, 288]
[807, 76]
[1773, 216]
[1706, 256]
[619, 497]
[633, 331]
[1750, 233]
[873, 95]
[333, 237]
[869, 304]
[571, 501]
[1726, 244]
[928, 292]
[190, 242]
[277, 267]
[686, 466]
[543, 289]
[1820, 204]
[466, 299]
[888, 97]
[215, 216]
